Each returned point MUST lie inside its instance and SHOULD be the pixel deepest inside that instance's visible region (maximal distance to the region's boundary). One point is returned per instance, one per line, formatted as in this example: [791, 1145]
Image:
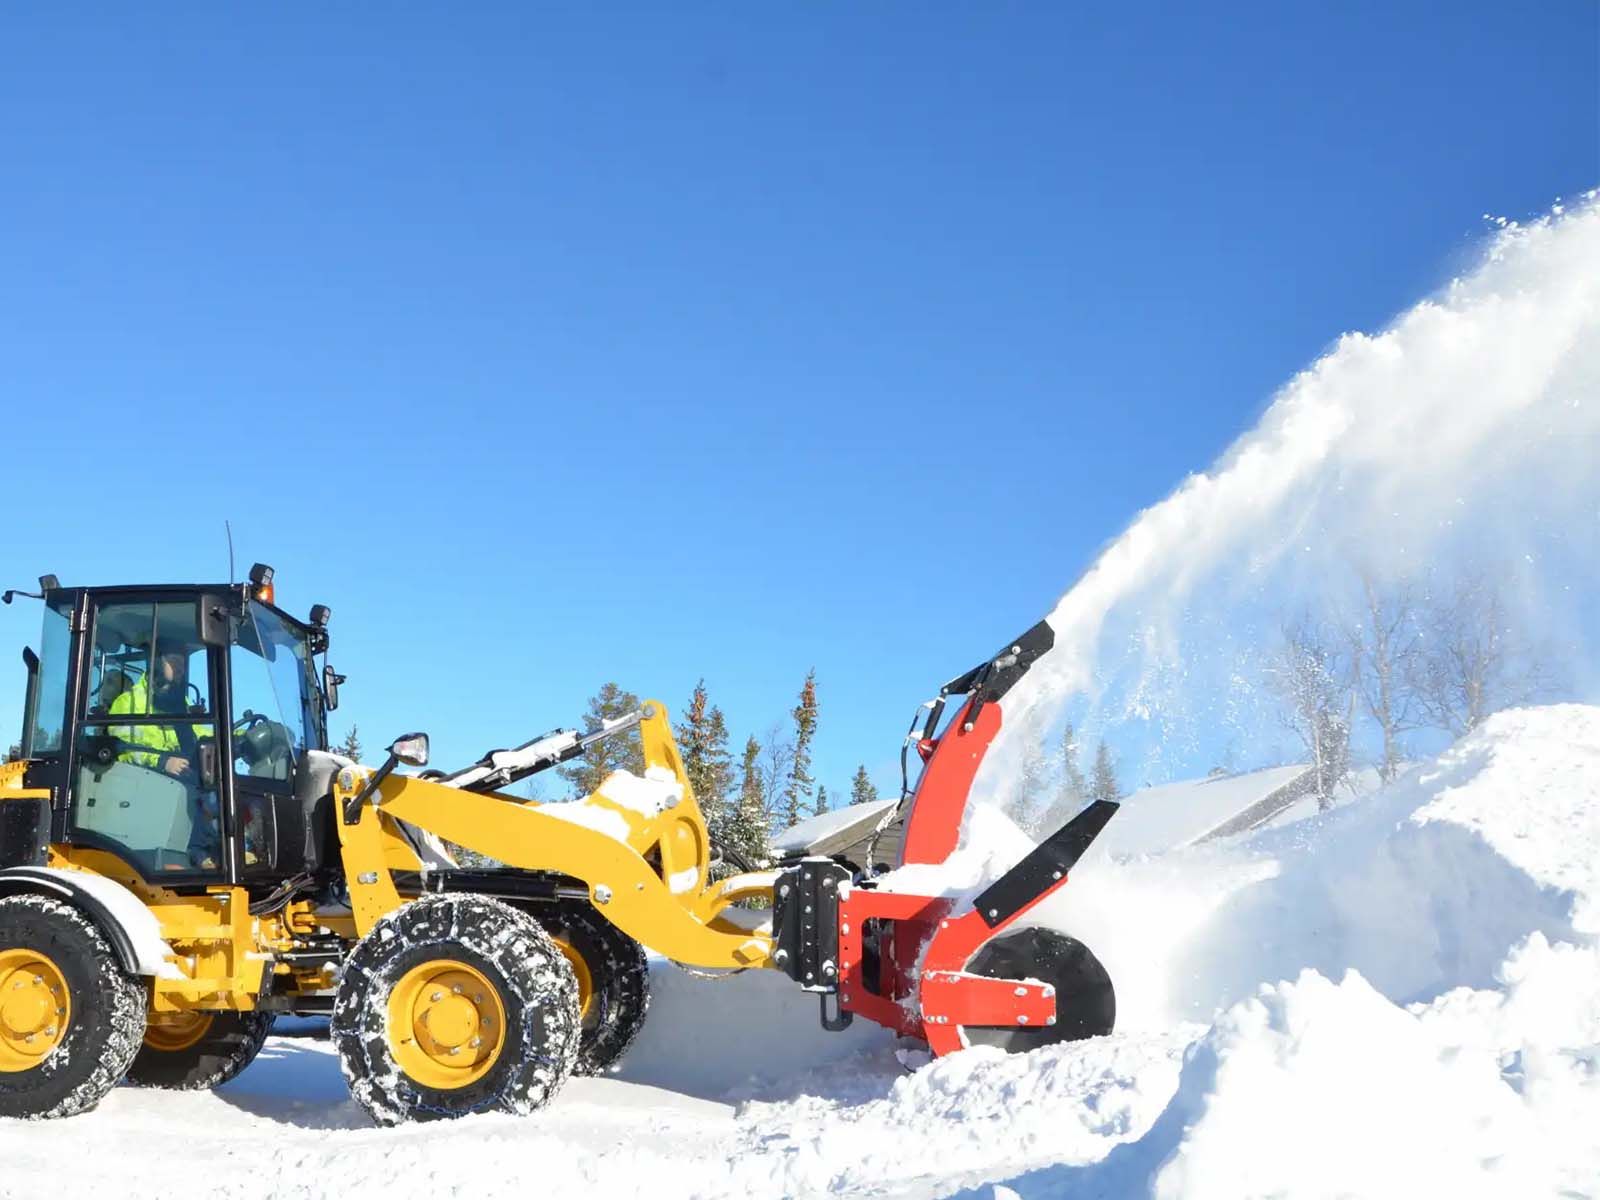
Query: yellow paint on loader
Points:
[624, 882]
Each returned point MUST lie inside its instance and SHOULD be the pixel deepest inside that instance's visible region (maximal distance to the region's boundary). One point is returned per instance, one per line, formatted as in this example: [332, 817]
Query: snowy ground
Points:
[1399, 999]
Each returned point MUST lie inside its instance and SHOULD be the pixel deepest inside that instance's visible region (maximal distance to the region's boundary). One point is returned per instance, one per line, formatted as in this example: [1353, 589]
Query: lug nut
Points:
[475, 1042]
[436, 997]
[456, 989]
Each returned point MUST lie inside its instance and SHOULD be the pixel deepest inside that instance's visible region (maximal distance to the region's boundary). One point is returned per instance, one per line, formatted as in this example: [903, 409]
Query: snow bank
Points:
[1422, 887]
[1427, 886]
[1314, 1089]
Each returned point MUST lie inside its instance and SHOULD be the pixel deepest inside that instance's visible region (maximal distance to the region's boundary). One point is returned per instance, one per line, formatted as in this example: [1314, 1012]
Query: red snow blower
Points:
[954, 972]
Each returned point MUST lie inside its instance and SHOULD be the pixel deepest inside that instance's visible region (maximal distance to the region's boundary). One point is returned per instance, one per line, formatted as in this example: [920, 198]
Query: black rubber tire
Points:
[619, 976]
[1086, 1003]
[535, 984]
[107, 1011]
[227, 1047]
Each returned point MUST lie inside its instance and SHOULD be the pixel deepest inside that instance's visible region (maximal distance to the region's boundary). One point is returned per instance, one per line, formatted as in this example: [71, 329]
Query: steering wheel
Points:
[259, 740]
[247, 722]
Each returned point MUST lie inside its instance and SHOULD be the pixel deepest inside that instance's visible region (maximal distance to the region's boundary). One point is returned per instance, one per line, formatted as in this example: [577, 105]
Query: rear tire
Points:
[71, 1019]
[224, 1044]
[1086, 1003]
[455, 1004]
[613, 981]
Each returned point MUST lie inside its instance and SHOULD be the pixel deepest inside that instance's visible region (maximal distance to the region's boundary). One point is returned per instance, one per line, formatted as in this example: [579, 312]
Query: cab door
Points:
[144, 766]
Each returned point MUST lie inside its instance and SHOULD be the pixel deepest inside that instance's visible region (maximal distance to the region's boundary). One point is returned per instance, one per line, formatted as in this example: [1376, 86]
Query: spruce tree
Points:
[1103, 784]
[15, 753]
[1030, 798]
[719, 766]
[620, 753]
[822, 799]
[703, 739]
[1072, 790]
[351, 746]
[862, 789]
[1073, 783]
[797, 792]
[747, 827]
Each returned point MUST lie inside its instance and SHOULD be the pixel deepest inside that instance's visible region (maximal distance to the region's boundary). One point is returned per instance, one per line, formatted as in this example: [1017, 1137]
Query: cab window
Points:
[273, 695]
[50, 700]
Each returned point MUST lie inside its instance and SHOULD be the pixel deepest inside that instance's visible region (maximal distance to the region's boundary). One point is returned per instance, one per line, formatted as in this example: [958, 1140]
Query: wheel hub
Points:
[34, 1009]
[580, 970]
[446, 1024]
[177, 1031]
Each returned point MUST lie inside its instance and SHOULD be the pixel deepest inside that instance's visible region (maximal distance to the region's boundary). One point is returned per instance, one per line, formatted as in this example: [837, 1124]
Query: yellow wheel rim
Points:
[447, 1024]
[35, 1008]
[177, 1031]
[581, 970]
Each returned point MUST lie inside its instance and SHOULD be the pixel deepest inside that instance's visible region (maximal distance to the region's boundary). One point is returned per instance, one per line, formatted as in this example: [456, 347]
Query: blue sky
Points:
[553, 346]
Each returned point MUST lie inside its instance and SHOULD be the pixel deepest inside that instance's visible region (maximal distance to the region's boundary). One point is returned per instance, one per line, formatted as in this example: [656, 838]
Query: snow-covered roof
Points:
[800, 838]
[1155, 819]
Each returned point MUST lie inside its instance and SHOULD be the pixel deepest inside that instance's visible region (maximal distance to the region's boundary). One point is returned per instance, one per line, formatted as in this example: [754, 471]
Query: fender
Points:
[129, 926]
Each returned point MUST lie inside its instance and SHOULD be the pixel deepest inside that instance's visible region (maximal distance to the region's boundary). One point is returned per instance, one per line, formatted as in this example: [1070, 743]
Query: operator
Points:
[174, 749]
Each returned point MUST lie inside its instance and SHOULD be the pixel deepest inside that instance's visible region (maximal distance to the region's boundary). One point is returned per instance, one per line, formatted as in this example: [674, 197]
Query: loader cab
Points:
[172, 725]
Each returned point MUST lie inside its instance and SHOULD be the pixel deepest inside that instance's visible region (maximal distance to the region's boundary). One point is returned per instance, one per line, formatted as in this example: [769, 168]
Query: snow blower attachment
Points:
[182, 858]
[925, 966]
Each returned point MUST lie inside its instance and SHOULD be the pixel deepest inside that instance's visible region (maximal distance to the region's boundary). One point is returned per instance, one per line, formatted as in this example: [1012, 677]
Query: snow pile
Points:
[957, 1121]
[1427, 885]
[1421, 887]
[1312, 1088]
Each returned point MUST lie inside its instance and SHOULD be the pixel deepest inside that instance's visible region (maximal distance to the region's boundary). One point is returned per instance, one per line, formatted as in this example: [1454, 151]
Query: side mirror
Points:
[412, 749]
[331, 680]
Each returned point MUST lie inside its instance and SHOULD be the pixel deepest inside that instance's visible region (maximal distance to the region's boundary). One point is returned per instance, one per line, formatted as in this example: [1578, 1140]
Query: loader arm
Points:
[644, 870]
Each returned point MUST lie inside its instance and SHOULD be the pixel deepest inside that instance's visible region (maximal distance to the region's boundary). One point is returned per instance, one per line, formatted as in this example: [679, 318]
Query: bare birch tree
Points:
[1476, 661]
[1318, 702]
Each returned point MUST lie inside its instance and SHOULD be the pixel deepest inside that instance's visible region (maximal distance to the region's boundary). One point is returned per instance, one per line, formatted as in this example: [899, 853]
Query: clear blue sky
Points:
[656, 342]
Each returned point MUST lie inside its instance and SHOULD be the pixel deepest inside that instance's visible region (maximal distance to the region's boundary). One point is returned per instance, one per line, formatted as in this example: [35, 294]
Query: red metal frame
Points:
[923, 987]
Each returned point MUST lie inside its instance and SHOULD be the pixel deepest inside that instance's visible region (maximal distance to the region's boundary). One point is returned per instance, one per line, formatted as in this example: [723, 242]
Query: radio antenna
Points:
[229, 528]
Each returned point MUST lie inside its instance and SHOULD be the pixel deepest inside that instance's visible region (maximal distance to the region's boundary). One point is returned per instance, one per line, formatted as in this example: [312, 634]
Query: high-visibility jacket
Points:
[164, 740]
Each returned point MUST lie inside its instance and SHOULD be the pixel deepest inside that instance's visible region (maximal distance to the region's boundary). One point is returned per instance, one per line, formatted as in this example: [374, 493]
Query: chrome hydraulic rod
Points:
[502, 768]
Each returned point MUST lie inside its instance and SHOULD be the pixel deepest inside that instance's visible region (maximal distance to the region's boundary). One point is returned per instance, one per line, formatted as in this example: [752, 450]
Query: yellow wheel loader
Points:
[182, 858]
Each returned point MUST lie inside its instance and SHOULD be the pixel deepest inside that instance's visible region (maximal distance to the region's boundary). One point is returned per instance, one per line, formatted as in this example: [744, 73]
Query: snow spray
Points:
[1464, 437]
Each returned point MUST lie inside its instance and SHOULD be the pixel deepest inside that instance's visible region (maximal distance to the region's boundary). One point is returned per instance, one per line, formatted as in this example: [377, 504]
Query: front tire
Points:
[455, 1004]
[195, 1051]
[71, 1019]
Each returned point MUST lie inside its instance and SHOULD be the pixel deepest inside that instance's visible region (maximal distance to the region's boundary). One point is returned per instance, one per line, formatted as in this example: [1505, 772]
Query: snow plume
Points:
[1461, 441]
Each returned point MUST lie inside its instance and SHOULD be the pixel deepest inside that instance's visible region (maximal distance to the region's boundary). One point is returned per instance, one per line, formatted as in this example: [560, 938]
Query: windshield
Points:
[273, 690]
